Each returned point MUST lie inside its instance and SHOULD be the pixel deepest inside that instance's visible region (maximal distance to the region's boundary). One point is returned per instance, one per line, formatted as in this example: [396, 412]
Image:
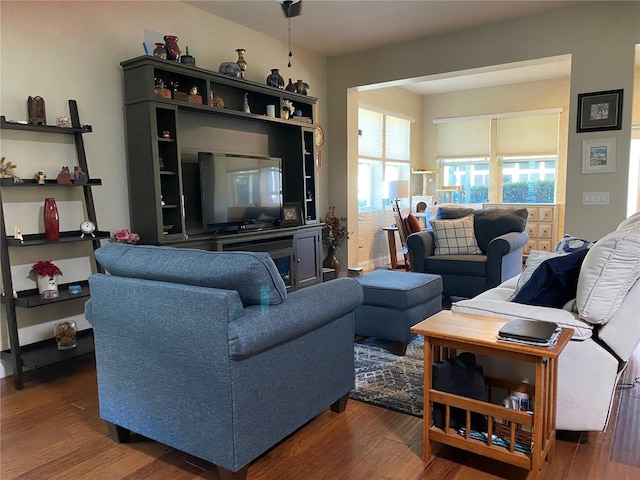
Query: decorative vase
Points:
[51, 220]
[291, 87]
[66, 333]
[171, 46]
[302, 87]
[241, 61]
[160, 51]
[275, 79]
[331, 261]
[47, 286]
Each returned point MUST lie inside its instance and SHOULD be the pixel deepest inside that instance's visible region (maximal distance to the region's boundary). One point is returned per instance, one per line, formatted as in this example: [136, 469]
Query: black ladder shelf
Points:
[44, 353]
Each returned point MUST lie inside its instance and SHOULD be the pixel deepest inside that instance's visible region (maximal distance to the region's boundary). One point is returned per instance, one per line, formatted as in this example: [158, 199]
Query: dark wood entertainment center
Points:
[167, 127]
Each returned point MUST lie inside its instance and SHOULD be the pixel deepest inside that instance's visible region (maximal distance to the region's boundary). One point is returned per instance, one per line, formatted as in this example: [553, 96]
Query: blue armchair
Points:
[206, 352]
[500, 237]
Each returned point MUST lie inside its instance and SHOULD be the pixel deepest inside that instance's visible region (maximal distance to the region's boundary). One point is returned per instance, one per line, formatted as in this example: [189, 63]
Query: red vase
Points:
[51, 220]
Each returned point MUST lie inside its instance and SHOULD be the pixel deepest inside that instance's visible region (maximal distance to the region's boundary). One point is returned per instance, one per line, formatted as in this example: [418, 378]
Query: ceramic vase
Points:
[331, 261]
[160, 51]
[275, 79]
[66, 333]
[171, 46]
[291, 87]
[47, 286]
[241, 61]
[51, 220]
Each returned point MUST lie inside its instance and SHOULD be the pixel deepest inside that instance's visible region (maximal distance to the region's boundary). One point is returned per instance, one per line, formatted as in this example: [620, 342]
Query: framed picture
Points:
[291, 215]
[599, 156]
[600, 111]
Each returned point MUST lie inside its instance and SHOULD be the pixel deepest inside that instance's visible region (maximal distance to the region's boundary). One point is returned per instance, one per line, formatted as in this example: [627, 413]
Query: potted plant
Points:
[287, 108]
[46, 273]
[334, 234]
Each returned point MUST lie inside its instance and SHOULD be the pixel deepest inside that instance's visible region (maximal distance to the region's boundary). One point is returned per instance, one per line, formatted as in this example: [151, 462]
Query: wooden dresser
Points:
[542, 225]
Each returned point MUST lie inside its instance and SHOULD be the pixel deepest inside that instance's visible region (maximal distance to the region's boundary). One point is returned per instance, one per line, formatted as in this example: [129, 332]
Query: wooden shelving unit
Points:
[44, 353]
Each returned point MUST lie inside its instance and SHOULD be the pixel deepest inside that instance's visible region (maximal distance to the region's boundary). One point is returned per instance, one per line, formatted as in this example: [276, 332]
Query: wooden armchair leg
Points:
[340, 404]
[118, 433]
[229, 475]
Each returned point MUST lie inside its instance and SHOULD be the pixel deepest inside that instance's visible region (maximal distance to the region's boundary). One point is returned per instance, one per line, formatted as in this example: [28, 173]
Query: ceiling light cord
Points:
[289, 19]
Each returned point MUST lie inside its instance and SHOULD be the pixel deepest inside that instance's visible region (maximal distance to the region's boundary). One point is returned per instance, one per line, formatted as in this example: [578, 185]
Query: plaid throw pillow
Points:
[455, 236]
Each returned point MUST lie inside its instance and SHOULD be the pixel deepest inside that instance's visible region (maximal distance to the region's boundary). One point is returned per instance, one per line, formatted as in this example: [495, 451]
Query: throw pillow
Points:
[554, 282]
[455, 237]
[413, 223]
[534, 260]
[570, 244]
[611, 269]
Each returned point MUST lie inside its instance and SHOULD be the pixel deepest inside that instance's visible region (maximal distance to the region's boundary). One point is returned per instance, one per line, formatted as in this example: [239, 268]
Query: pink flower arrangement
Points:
[125, 236]
[46, 268]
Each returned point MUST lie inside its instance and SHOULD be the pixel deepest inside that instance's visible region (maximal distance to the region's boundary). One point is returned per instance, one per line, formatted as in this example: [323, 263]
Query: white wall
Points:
[599, 36]
[72, 50]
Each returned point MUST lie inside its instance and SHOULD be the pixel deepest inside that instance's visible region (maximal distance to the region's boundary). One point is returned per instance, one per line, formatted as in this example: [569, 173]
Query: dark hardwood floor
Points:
[52, 430]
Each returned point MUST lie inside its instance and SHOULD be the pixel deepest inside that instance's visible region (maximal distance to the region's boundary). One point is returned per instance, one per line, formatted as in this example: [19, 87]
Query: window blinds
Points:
[370, 126]
[528, 135]
[397, 138]
[469, 138]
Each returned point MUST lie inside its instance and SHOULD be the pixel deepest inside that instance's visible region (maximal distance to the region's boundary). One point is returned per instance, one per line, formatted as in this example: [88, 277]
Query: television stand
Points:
[296, 251]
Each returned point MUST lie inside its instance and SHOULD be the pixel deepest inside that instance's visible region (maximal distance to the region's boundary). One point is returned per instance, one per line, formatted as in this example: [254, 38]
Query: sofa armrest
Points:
[263, 327]
[421, 245]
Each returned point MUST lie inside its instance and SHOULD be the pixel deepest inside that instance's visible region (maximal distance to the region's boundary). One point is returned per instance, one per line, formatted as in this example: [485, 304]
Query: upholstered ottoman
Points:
[394, 301]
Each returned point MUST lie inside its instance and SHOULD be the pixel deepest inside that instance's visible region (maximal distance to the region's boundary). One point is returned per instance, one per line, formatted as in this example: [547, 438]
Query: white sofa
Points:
[606, 321]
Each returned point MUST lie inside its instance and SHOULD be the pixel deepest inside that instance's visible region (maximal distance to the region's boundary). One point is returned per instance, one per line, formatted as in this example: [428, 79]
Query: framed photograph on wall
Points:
[599, 156]
[599, 111]
[291, 215]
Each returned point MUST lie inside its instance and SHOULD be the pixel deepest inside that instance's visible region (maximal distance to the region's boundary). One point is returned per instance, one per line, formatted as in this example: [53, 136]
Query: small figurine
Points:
[16, 234]
[193, 90]
[246, 104]
[7, 170]
[40, 177]
[64, 177]
[79, 177]
[35, 106]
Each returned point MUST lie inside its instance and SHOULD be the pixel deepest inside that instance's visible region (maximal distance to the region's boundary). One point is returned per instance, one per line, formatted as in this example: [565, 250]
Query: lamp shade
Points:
[399, 189]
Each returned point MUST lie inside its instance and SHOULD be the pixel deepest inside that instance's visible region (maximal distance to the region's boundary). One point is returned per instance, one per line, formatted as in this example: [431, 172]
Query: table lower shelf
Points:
[45, 352]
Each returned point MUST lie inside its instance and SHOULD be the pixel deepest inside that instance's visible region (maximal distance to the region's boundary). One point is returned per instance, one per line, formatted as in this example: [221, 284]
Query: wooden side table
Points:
[445, 333]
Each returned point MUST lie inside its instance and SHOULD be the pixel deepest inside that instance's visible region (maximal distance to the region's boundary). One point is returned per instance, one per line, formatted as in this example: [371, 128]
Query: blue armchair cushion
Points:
[554, 282]
[252, 274]
[490, 223]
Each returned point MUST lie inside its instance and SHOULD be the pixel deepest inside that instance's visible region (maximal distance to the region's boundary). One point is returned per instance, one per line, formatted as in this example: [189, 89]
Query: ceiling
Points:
[339, 27]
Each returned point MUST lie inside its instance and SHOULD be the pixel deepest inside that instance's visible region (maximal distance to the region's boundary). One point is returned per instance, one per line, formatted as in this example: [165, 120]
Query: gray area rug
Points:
[388, 380]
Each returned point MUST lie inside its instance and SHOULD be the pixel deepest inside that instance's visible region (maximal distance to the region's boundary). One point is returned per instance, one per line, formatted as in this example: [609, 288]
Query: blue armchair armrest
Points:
[263, 327]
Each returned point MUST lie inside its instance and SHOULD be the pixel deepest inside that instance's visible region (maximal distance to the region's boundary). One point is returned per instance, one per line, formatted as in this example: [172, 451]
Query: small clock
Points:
[87, 227]
[319, 136]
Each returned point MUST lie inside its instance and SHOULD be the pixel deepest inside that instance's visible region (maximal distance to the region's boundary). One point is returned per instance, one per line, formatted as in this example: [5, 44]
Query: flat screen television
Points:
[240, 191]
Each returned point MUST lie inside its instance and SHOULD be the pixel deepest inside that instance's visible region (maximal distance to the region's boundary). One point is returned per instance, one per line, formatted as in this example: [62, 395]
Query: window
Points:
[510, 158]
[383, 156]
[528, 179]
